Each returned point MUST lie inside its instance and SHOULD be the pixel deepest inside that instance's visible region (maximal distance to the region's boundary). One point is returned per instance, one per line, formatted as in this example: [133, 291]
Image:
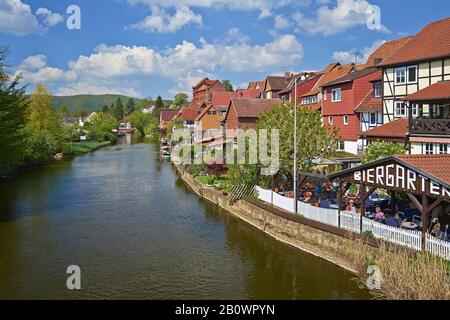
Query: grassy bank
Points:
[79, 148]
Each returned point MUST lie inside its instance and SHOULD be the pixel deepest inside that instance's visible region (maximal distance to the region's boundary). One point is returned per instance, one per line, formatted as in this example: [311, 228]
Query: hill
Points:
[88, 102]
[93, 102]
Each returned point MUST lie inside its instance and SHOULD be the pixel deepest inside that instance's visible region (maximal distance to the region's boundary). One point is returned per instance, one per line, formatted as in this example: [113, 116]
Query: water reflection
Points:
[137, 232]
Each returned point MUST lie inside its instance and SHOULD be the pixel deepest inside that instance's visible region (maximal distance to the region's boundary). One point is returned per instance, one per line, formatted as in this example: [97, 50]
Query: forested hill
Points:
[89, 102]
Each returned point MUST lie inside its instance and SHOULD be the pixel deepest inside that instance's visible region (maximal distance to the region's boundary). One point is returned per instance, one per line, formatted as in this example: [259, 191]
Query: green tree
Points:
[64, 110]
[144, 103]
[80, 112]
[227, 84]
[130, 106]
[45, 127]
[12, 118]
[314, 140]
[105, 109]
[180, 100]
[119, 110]
[381, 150]
[101, 128]
[139, 120]
[159, 103]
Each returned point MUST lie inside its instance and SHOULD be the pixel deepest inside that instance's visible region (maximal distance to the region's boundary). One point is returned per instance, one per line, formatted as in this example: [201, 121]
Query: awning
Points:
[439, 91]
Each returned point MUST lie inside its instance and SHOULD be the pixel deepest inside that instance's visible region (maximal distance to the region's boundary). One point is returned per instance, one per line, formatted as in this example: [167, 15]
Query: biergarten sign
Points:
[395, 176]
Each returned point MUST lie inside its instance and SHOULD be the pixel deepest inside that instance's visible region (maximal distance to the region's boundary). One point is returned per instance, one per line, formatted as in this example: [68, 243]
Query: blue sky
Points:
[160, 47]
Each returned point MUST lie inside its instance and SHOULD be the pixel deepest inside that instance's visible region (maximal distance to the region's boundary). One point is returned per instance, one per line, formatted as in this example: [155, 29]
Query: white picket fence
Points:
[438, 247]
[351, 221]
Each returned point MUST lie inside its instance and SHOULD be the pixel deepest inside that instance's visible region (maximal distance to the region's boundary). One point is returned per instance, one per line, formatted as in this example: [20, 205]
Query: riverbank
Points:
[404, 274]
[80, 148]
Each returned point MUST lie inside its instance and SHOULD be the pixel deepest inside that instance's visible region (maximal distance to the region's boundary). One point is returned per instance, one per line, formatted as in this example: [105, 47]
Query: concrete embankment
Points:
[320, 240]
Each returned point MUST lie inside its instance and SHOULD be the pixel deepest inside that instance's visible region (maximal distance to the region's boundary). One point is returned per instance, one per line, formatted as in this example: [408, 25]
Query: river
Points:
[136, 231]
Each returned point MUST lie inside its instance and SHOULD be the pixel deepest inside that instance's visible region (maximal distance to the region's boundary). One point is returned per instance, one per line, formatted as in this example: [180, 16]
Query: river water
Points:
[128, 221]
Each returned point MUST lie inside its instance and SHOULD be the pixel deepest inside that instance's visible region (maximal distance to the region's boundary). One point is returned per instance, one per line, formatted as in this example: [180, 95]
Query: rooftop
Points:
[395, 129]
[435, 165]
[430, 43]
[251, 108]
[437, 91]
[370, 104]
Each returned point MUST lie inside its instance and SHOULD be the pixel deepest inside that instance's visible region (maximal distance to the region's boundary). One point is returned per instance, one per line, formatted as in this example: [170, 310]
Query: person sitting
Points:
[379, 215]
[351, 207]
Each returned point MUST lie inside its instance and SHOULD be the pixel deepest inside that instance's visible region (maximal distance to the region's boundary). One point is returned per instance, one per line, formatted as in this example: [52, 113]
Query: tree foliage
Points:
[314, 140]
[130, 106]
[159, 103]
[101, 128]
[45, 127]
[12, 118]
[139, 120]
[118, 109]
[381, 150]
[227, 84]
[180, 100]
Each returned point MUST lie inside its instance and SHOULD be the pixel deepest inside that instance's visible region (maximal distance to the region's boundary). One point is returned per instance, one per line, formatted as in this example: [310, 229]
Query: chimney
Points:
[288, 74]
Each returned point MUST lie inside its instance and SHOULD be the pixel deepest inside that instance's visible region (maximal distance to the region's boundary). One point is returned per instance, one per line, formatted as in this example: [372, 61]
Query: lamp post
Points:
[295, 148]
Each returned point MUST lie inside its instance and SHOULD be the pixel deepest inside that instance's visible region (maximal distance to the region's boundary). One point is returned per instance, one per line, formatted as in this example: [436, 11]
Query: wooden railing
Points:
[430, 126]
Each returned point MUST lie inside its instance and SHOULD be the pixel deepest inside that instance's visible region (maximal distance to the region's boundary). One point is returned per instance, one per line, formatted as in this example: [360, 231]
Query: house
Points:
[165, 117]
[312, 99]
[340, 98]
[149, 109]
[243, 113]
[305, 82]
[416, 86]
[275, 84]
[88, 119]
[202, 90]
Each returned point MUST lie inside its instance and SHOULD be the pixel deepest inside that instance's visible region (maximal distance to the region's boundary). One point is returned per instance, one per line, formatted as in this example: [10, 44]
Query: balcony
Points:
[437, 127]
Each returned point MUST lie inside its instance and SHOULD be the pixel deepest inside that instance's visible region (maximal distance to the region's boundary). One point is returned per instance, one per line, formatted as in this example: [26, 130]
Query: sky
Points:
[146, 48]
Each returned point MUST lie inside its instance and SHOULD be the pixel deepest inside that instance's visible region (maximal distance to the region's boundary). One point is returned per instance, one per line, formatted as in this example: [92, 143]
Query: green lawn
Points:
[78, 148]
[221, 183]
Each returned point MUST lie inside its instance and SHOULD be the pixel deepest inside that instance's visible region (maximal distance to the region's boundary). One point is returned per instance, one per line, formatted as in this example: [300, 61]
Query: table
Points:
[409, 226]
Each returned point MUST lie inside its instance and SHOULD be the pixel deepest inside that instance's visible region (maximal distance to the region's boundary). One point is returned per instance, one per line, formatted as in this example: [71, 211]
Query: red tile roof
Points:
[395, 129]
[435, 165]
[386, 50]
[437, 91]
[222, 98]
[190, 114]
[374, 72]
[252, 85]
[370, 104]
[432, 42]
[252, 108]
[167, 115]
[251, 93]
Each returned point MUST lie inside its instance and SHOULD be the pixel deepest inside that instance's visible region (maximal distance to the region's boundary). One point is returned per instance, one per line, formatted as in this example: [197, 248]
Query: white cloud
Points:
[162, 22]
[50, 19]
[332, 20]
[360, 55]
[281, 22]
[16, 18]
[114, 69]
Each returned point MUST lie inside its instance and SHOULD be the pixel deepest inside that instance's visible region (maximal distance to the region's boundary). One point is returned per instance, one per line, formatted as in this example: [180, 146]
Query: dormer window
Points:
[377, 90]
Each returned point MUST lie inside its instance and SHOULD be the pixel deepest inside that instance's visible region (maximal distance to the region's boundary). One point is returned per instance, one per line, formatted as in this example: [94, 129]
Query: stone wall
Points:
[326, 245]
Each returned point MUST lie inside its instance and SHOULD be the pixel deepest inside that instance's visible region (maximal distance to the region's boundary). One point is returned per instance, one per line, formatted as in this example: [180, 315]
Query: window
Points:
[377, 90]
[336, 95]
[400, 76]
[330, 120]
[412, 74]
[340, 146]
[325, 94]
[415, 110]
[437, 111]
[443, 148]
[373, 118]
[309, 100]
[346, 120]
[400, 109]
[429, 148]
[209, 113]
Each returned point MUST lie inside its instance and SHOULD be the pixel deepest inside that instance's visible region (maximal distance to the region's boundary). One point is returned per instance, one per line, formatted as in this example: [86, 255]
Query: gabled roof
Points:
[189, 114]
[250, 93]
[278, 83]
[168, 114]
[209, 107]
[370, 104]
[222, 98]
[395, 129]
[354, 75]
[432, 42]
[437, 91]
[386, 50]
[338, 72]
[204, 82]
[252, 108]
[252, 85]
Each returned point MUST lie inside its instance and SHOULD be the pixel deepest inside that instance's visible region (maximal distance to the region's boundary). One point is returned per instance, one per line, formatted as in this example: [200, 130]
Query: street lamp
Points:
[295, 148]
